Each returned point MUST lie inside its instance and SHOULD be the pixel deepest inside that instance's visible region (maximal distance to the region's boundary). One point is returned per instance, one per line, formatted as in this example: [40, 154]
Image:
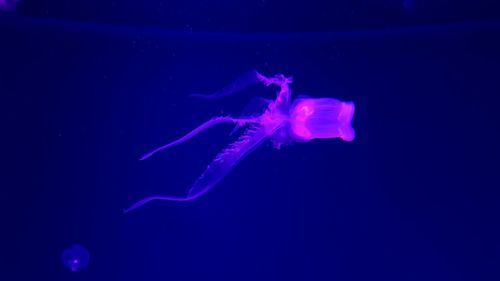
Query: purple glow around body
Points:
[8, 5]
[75, 258]
[282, 122]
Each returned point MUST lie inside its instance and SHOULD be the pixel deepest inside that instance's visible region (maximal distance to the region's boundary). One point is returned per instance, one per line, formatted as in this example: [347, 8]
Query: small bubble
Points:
[75, 257]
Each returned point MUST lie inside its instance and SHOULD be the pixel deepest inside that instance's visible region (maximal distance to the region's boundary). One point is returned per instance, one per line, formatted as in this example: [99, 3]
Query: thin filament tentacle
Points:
[210, 123]
[243, 82]
[223, 163]
[157, 197]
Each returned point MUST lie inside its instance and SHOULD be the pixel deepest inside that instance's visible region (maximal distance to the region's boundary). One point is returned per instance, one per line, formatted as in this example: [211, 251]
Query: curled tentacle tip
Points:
[199, 95]
[131, 208]
[126, 210]
[144, 157]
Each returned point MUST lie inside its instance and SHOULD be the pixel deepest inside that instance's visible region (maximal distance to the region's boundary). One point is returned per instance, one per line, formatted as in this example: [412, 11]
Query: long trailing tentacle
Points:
[223, 163]
[254, 108]
[212, 122]
[152, 198]
[247, 80]
[227, 159]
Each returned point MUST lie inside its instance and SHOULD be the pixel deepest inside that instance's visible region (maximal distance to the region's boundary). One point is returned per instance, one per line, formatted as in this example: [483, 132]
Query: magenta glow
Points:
[8, 5]
[282, 122]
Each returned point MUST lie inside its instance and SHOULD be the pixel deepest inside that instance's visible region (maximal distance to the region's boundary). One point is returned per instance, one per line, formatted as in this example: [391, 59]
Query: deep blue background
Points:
[414, 197]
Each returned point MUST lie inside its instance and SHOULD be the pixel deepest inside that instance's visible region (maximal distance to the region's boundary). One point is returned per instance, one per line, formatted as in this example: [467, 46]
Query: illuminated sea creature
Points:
[281, 121]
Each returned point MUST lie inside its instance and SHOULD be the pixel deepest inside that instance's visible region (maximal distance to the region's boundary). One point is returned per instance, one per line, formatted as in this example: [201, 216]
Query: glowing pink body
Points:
[282, 122]
[322, 119]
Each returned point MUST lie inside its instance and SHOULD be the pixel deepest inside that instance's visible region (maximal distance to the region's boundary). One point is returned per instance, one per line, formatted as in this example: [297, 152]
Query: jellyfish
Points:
[75, 257]
[281, 121]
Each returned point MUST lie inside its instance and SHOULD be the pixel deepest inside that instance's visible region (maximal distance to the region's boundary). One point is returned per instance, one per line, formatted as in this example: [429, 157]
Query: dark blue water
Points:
[414, 197]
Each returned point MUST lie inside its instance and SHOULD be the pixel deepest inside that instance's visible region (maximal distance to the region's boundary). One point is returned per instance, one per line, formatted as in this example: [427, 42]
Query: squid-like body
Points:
[282, 121]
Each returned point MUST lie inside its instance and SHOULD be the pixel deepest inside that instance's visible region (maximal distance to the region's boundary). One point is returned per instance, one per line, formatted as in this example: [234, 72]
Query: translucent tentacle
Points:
[254, 108]
[223, 163]
[247, 80]
[152, 198]
[226, 160]
[212, 122]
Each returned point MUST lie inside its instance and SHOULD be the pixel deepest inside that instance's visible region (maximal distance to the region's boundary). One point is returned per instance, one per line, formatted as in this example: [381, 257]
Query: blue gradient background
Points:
[414, 197]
